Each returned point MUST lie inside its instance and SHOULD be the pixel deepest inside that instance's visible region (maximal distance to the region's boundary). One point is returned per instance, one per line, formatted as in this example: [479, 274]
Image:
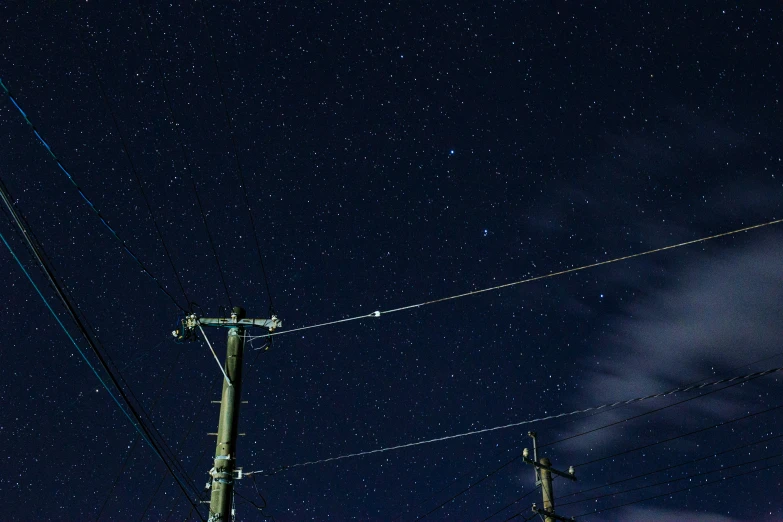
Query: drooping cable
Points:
[126, 149]
[59, 288]
[185, 156]
[240, 172]
[88, 201]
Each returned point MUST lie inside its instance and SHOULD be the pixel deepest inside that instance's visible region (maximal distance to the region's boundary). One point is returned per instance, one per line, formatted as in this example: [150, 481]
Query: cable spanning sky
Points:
[344, 158]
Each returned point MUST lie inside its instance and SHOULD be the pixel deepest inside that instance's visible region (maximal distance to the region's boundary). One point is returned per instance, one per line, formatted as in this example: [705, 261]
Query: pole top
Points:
[239, 312]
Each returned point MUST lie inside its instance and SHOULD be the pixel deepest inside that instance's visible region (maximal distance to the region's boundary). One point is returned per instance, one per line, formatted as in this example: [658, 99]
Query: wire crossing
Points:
[529, 280]
[682, 389]
[87, 200]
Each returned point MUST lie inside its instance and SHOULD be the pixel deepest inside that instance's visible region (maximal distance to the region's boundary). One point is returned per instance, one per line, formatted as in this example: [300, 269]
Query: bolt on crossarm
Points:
[225, 472]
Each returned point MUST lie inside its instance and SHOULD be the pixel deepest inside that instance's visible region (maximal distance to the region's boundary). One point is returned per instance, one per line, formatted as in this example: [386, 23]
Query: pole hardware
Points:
[569, 475]
[552, 515]
[544, 471]
[189, 324]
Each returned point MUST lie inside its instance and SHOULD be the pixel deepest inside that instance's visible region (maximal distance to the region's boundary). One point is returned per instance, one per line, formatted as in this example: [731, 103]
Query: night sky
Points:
[395, 153]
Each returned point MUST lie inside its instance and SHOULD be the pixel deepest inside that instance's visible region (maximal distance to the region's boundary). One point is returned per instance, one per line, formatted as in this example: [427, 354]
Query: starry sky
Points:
[395, 153]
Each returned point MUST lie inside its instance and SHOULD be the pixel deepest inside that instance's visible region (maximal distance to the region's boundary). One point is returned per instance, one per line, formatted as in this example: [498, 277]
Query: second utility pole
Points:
[544, 471]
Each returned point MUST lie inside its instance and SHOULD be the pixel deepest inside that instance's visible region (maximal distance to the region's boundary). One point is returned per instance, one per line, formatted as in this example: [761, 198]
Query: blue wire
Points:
[81, 352]
[84, 196]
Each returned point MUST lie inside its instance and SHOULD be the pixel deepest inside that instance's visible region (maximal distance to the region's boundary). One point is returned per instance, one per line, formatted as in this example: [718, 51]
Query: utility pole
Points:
[225, 471]
[544, 472]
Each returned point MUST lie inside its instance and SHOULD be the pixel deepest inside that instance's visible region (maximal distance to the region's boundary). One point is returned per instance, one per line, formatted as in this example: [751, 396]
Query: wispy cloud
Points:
[716, 314]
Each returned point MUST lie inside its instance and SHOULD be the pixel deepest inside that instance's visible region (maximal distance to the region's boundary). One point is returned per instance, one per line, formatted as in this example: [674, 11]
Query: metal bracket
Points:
[187, 332]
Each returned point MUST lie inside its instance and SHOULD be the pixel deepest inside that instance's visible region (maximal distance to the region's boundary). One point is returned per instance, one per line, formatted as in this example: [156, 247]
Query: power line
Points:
[125, 148]
[138, 425]
[667, 468]
[83, 323]
[185, 156]
[87, 200]
[669, 481]
[125, 461]
[679, 490]
[689, 387]
[379, 313]
[75, 316]
[236, 156]
[670, 439]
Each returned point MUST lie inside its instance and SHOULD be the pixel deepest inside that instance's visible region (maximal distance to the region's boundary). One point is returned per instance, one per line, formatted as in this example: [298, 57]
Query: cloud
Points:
[718, 313]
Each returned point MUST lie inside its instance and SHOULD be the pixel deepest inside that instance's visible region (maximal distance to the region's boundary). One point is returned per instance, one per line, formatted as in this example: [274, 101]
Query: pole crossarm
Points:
[192, 322]
[231, 322]
[569, 474]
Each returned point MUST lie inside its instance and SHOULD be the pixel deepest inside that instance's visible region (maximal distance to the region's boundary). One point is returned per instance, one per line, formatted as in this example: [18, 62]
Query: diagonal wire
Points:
[673, 466]
[672, 480]
[158, 395]
[185, 156]
[670, 439]
[689, 387]
[85, 328]
[80, 324]
[710, 482]
[125, 148]
[228, 381]
[240, 173]
[379, 313]
[87, 200]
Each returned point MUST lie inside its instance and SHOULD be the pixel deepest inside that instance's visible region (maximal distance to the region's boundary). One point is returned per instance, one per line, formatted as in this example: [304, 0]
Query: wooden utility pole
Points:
[225, 451]
[544, 471]
[225, 470]
[546, 488]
